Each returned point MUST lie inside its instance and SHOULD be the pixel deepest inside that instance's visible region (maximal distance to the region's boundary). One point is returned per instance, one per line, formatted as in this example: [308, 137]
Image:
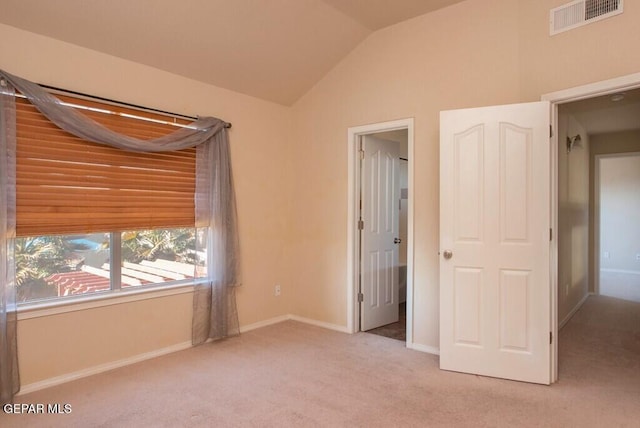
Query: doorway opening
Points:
[380, 228]
[589, 122]
[617, 204]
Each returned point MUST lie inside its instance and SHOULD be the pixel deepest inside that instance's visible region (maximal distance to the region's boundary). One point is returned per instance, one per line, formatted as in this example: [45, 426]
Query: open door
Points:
[380, 209]
[495, 285]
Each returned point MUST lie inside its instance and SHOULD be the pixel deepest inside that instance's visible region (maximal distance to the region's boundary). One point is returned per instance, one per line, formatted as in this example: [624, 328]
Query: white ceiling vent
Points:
[582, 12]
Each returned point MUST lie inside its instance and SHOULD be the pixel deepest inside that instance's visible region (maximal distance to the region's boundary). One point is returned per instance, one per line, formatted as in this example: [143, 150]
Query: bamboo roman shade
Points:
[65, 185]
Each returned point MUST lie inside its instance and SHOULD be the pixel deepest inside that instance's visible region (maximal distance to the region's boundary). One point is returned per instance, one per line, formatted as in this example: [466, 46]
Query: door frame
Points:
[604, 87]
[353, 203]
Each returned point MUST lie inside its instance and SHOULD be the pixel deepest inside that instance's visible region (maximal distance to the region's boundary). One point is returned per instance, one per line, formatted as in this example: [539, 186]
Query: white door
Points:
[379, 238]
[495, 288]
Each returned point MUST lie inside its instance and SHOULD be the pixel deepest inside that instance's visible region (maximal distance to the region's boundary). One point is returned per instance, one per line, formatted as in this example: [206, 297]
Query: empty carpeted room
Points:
[207, 205]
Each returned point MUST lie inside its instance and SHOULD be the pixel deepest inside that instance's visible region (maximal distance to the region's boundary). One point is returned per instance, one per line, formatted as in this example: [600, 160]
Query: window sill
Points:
[48, 308]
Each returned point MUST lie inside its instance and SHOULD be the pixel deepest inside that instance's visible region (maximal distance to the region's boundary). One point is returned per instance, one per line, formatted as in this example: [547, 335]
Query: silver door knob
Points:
[397, 240]
[447, 254]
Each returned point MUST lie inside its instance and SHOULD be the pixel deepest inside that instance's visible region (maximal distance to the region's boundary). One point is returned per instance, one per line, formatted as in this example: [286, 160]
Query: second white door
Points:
[380, 200]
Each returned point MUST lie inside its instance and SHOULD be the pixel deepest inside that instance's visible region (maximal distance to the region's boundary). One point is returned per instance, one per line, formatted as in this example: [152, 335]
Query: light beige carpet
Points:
[295, 375]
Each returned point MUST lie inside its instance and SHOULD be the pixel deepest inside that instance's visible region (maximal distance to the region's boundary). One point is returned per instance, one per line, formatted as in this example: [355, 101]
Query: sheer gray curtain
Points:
[9, 374]
[214, 307]
[214, 303]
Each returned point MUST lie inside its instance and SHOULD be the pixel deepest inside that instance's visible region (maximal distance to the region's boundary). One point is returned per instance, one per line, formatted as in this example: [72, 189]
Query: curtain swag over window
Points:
[214, 304]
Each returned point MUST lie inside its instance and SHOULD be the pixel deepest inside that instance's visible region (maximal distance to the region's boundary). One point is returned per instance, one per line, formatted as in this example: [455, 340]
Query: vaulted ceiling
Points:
[271, 49]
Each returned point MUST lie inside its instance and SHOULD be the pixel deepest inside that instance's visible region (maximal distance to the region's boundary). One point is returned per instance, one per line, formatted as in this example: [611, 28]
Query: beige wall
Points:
[474, 53]
[55, 345]
[58, 345]
[591, 53]
[573, 216]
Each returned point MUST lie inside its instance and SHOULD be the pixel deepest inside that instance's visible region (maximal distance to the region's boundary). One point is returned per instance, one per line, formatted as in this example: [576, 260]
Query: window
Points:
[94, 219]
[56, 266]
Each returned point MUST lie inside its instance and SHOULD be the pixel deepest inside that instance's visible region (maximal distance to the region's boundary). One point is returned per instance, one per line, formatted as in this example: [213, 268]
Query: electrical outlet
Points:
[606, 254]
[277, 290]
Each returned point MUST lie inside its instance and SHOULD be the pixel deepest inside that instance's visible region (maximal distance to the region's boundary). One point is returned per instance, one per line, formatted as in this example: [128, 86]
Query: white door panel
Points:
[494, 219]
[380, 212]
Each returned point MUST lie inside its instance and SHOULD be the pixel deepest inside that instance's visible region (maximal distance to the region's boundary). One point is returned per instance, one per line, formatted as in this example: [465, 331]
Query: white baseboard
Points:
[335, 327]
[36, 386]
[288, 317]
[573, 311]
[424, 348]
[264, 323]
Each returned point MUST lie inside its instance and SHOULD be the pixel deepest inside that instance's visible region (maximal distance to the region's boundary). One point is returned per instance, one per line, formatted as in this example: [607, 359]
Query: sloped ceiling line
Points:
[270, 49]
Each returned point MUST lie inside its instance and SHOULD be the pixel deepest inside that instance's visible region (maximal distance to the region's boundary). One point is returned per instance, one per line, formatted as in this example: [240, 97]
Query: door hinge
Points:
[550, 131]
[361, 154]
[550, 338]
[550, 234]
[360, 297]
[360, 224]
